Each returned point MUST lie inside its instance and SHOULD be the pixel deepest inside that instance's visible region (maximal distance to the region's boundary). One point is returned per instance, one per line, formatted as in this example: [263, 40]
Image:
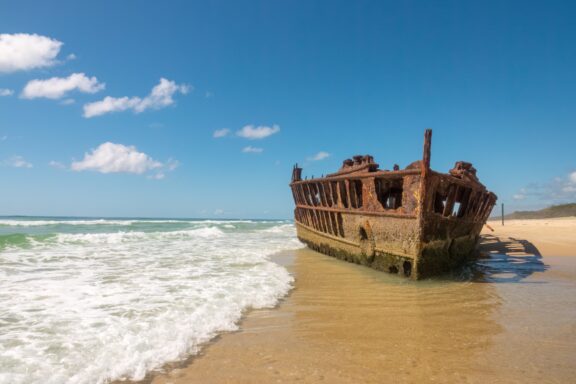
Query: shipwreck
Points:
[415, 222]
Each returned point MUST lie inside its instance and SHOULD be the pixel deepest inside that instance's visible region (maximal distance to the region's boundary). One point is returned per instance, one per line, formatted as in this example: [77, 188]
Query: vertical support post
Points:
[339, 194]
[450, 200]
[296, 173]
[502, 214]
[425, 168]
[427, 150]
[421, 207]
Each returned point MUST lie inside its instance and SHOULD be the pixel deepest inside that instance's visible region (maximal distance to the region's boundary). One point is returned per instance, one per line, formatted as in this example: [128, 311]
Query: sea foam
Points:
[90, 306]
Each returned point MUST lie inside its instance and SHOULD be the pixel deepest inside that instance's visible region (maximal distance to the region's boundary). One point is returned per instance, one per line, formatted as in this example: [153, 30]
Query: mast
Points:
[425, 167]
[427, 147]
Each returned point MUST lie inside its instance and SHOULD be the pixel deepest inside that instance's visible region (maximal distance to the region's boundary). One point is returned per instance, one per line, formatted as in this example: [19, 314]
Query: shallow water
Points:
[90, 300]
[509, 318]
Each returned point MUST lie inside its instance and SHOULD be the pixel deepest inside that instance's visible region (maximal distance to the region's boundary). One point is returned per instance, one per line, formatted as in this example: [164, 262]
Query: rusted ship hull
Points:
[414, 222]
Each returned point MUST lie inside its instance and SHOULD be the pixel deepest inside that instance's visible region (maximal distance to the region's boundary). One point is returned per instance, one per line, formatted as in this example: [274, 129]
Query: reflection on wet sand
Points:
[506, 260]
[344, 323]
[369, 326]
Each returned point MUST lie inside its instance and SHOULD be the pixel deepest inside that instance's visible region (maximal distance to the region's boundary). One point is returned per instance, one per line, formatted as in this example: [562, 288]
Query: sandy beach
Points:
[509, 319]
[552, 237]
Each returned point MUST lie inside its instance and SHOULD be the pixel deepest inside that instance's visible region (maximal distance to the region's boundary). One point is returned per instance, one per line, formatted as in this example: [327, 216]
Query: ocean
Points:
[86, 300]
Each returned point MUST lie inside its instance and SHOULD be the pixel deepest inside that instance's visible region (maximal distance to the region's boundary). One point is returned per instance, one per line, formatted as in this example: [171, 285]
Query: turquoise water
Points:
[85, 300]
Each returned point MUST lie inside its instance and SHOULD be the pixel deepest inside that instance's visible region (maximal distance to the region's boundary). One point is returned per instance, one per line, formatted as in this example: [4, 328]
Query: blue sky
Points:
[312, 82]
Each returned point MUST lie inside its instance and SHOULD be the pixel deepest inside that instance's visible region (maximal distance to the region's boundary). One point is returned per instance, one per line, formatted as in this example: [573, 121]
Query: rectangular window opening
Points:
[343, 193]
[334, 190]
[389, 192]
[327, 194]
[356, 193]
[334, 224]
[456, 208]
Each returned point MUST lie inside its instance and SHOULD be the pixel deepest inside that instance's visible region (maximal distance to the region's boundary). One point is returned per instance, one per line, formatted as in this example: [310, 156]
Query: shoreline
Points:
[345, 323]
[283, 258]
[552, 237]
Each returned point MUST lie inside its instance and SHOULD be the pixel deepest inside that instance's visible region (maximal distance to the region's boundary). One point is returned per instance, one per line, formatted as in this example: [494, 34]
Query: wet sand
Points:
[552, 237]
[509, 318]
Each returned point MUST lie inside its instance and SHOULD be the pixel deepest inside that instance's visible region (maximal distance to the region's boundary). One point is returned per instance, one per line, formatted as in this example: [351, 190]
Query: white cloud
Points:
[319, 156]
[161, 96]
[110, 104]
[56, 164]
[17, 162]
[57, 87]
[256, 133]
[221, 133]
[6, 92]
[250, 149]
[22, 51]
[172, 164]
[218, 211]
[117, 158]
[67, 101]
[71, 57]
[558, 190]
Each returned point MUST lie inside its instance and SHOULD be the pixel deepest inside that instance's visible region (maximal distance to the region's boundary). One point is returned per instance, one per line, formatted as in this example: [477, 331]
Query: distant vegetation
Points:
[563, 210]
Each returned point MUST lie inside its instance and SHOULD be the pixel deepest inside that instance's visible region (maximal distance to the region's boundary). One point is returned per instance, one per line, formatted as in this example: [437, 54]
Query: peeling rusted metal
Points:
[412, 221]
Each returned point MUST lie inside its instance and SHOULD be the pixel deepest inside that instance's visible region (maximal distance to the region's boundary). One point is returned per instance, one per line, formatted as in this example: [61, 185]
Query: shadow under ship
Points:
[414, 222]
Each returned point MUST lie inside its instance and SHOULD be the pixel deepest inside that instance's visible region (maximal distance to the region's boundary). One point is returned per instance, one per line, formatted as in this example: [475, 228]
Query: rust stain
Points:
[413, 221]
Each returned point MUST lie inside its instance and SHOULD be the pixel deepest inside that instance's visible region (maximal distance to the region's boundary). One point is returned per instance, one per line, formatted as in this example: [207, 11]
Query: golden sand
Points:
[511, 319]
[552, 237]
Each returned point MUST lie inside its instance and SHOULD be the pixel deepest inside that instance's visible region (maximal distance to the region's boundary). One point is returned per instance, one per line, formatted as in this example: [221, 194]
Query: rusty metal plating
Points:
[412, 221]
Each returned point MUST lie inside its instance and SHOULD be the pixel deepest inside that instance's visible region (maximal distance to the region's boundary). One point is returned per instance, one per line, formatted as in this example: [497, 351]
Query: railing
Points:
[456, 198]
[324, 221]
[383, 196]
[373, 195]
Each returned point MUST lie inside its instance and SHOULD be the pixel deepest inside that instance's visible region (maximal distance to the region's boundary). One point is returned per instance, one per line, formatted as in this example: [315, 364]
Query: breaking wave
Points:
[87, 305]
